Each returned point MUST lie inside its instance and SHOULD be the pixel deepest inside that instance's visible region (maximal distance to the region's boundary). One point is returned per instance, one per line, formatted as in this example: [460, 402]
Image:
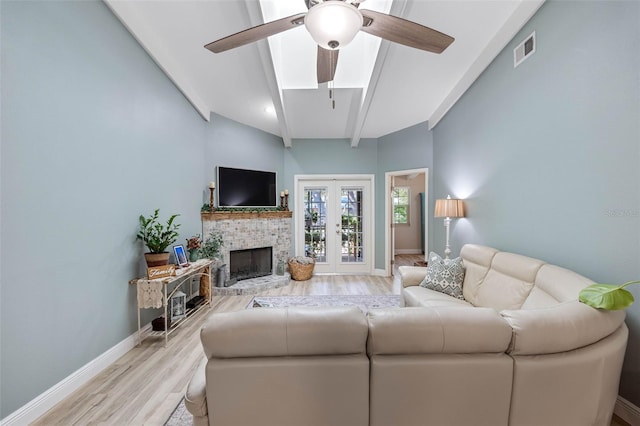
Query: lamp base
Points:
[447, 249]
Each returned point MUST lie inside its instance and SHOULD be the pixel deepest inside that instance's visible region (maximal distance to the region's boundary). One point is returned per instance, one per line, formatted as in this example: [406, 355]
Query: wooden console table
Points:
[157, 294]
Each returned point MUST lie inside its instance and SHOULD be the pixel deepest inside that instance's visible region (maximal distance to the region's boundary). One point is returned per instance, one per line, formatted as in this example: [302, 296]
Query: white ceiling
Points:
[381, 87]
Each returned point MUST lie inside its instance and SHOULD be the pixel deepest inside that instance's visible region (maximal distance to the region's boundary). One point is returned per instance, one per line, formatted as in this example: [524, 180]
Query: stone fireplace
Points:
[243, 231]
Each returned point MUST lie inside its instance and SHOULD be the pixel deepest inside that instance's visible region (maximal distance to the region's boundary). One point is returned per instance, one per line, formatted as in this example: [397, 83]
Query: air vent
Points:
[524, 49]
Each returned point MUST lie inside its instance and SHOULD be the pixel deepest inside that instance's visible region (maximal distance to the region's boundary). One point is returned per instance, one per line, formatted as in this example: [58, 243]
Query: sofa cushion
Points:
[444, 275]
[476, 260]
[439, 330]
[420, 296]
[195, 398]
[291, 331]
[555, 285]
[508, 282]
[559, 328]
[411, 275]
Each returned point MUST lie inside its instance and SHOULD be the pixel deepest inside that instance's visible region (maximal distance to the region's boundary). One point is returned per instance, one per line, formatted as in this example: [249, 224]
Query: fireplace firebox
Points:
[250, 263]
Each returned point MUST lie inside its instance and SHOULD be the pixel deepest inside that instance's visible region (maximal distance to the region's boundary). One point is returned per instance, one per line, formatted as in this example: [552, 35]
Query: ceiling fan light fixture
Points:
[333, 23]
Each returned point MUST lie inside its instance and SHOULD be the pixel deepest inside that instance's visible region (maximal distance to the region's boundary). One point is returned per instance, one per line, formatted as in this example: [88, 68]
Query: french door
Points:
[334, 218]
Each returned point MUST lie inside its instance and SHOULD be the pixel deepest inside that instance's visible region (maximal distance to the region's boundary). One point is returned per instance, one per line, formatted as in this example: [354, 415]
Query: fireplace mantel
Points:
[229, 215]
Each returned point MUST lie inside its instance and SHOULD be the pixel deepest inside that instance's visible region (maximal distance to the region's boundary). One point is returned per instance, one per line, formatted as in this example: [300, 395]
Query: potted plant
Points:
[157, 237]
[193, 247]
[211, 246]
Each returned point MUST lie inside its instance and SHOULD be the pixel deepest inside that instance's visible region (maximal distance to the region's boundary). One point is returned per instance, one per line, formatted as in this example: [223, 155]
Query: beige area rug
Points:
[181, 417]
[364, 302]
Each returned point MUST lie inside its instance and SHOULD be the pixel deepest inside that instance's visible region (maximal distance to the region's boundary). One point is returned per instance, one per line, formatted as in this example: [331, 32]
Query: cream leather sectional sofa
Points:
[519, 350]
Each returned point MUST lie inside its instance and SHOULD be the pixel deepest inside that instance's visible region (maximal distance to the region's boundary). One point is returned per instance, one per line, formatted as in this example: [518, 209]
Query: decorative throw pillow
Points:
[444, 275]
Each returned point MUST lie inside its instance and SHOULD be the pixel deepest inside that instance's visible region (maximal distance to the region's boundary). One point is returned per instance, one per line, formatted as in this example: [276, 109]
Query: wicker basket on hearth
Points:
[301, 269]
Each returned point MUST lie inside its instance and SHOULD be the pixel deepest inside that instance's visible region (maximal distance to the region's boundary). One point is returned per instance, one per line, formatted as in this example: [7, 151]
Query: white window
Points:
[401, 196]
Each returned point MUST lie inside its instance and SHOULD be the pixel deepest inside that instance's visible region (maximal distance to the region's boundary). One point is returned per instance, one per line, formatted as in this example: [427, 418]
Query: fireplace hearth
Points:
[250, 263]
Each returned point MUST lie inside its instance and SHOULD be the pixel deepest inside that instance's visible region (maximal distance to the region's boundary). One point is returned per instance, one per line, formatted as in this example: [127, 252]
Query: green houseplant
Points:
[211, 246]
[157, 237]
[607, 296]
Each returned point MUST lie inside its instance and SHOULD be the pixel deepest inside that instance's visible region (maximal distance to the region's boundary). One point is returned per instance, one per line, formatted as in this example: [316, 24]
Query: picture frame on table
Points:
[181, 256]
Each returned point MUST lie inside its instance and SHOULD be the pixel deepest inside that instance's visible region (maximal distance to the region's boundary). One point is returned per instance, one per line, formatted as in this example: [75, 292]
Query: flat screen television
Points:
[246, 188]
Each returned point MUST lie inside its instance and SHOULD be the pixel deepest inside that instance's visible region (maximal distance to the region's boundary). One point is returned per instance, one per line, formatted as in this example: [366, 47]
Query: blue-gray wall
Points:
[411, 148]
[93, 135]
[232, 144]
[547, 155]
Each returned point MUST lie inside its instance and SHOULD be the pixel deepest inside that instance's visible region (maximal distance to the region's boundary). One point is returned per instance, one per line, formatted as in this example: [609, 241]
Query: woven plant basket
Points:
[301, 271]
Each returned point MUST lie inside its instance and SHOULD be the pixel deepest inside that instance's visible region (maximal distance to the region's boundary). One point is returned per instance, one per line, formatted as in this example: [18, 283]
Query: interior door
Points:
[337, 224]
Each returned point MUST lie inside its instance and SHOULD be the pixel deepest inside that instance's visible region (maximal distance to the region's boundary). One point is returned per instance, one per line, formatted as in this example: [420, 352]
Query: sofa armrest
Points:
[195, 399]
[446, 330]
[279, 332]
[560, 328]
[412, 275]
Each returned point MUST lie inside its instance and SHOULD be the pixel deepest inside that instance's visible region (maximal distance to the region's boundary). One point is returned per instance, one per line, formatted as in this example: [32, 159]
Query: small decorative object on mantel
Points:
[193, 247]
[286, 200]
[212, 188]
[301, 267]
[157, 237]
[282, 200]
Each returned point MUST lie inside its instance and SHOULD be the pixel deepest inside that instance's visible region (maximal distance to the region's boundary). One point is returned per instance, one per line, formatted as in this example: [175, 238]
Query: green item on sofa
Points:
[607, 296]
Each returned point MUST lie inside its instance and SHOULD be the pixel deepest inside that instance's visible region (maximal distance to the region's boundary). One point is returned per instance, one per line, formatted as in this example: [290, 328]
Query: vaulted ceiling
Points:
[380, 87]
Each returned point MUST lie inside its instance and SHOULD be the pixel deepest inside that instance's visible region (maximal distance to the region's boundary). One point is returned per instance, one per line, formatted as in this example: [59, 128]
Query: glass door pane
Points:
[351, 208]
[315, 223]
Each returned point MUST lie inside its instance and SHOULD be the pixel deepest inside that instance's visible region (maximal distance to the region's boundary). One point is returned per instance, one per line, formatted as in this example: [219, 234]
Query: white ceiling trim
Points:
[516, 21]
[256, 18]
[397, 9]
[151, 44]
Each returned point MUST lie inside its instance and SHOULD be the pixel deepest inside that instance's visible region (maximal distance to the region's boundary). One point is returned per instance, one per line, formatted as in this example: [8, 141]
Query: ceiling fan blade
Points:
[256, 33]
[326, 64]
[404, 32]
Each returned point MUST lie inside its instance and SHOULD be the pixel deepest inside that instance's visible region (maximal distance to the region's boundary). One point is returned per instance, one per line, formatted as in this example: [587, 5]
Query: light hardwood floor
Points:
[147, 383]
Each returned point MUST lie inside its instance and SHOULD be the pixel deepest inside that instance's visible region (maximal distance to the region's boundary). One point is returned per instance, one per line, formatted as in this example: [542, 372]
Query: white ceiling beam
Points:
[397, 9]
[150, 43]
[256, 18]
[517, 20]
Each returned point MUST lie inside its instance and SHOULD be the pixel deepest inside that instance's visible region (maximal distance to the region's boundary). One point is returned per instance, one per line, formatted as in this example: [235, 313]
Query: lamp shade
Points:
[449, 207]
[333, 24]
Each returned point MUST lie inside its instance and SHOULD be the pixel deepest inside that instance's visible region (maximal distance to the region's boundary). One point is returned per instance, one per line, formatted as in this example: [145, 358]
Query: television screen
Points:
[246, 188]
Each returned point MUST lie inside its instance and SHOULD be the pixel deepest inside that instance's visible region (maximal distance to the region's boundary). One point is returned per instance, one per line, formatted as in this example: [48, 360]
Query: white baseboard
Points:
[627, 411]
[408, 251]
[380, 273]
[52, 396]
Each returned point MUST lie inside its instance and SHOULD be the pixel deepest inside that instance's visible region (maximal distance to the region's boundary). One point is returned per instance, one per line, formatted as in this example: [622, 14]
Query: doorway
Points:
[406, 216]
[334, 222]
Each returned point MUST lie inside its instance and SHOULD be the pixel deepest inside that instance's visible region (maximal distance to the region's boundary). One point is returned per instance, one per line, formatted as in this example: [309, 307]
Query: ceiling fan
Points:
[334, 24]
